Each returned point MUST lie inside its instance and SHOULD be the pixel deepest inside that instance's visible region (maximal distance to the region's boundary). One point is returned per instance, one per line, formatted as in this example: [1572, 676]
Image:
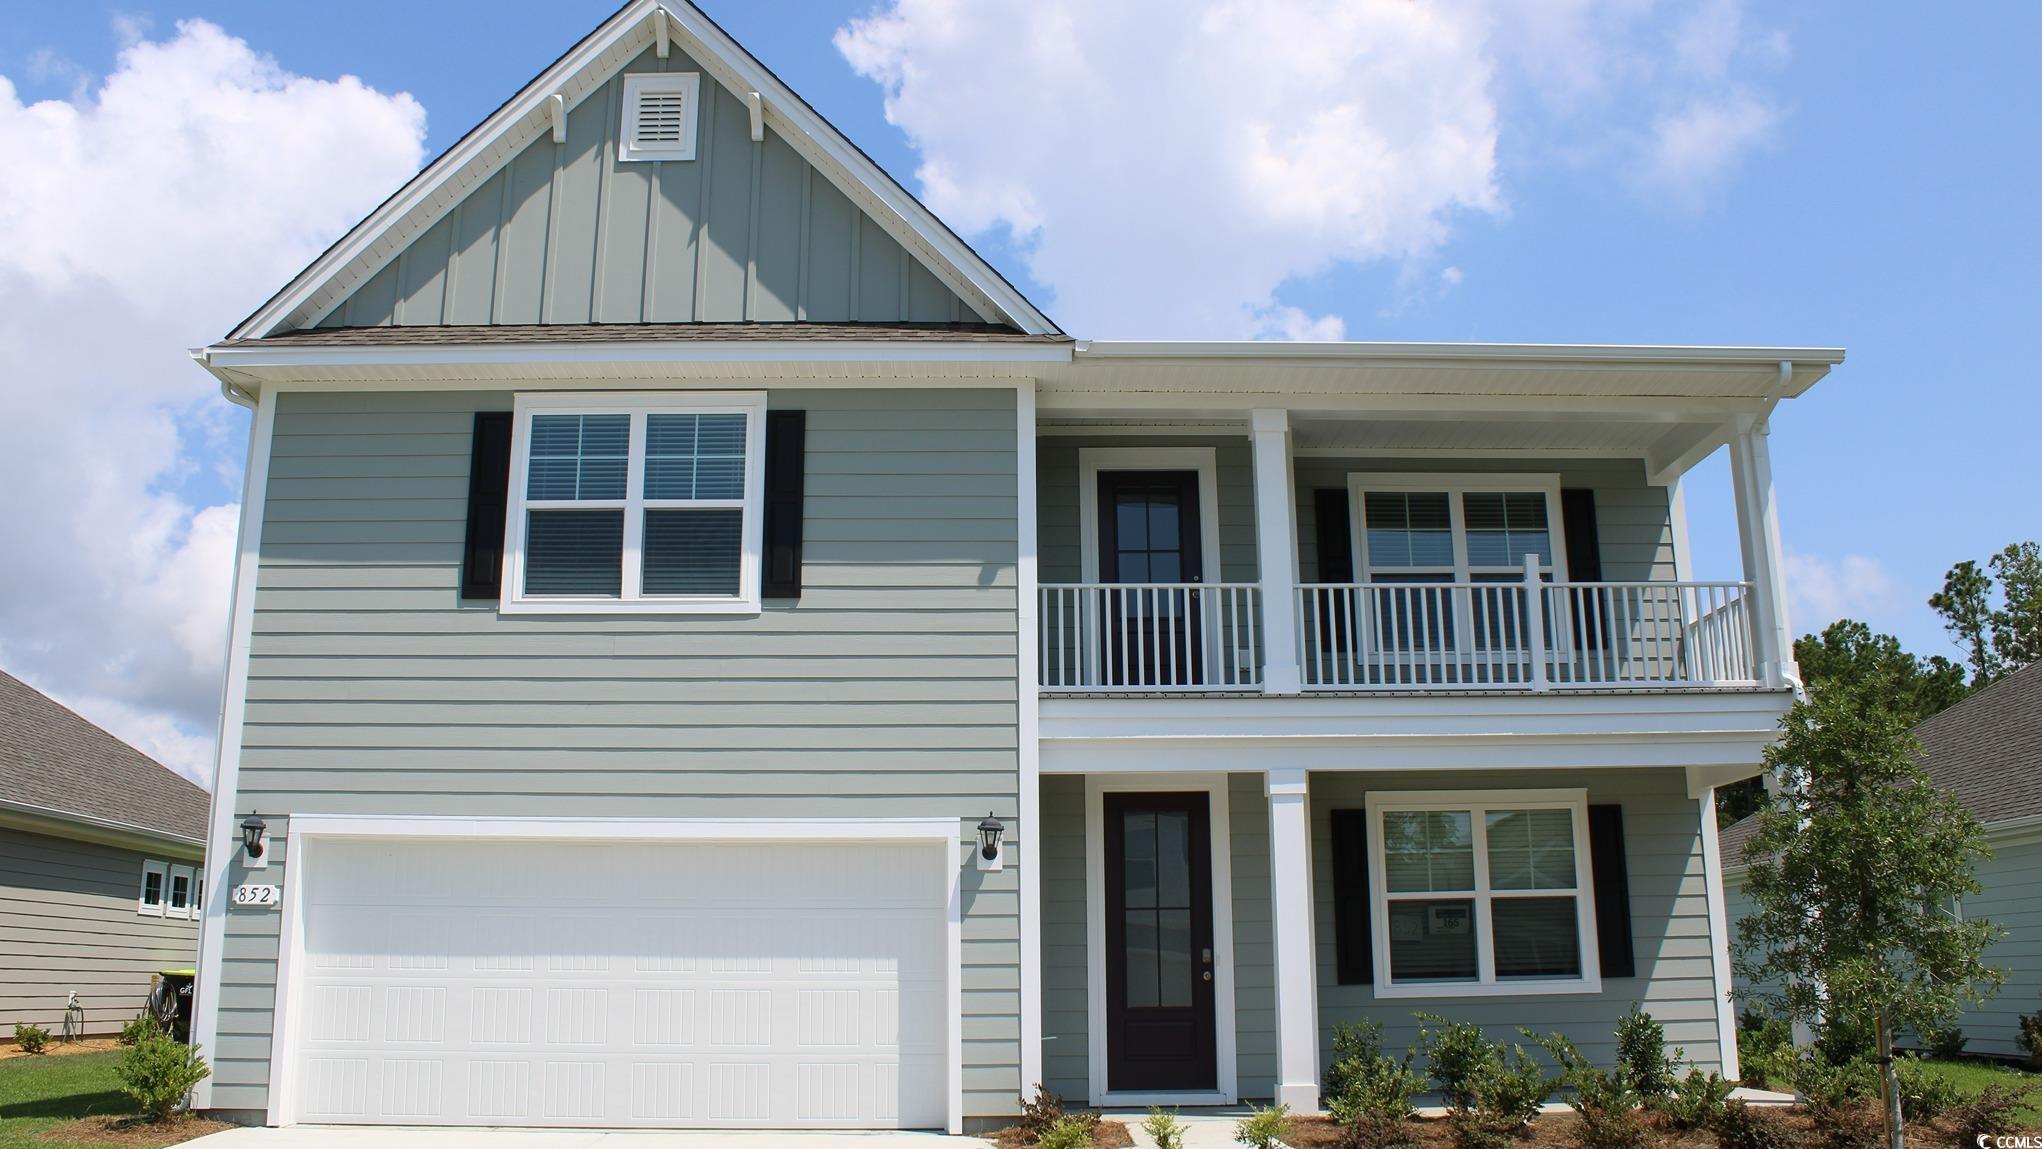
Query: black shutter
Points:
[1584, 549]
[1336, 538]
[489, 463]
[1351, 943]
[1612, 890]
[786, 480]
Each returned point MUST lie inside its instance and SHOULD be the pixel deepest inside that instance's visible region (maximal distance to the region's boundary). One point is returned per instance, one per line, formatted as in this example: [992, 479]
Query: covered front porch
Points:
[1204, 930]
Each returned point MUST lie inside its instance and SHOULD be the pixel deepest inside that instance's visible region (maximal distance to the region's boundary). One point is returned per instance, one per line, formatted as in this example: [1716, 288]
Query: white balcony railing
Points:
[1150, 637]
[1488, 635]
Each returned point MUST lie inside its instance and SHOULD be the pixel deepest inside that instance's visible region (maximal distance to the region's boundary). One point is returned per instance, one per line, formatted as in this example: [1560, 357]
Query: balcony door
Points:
[1151, 556]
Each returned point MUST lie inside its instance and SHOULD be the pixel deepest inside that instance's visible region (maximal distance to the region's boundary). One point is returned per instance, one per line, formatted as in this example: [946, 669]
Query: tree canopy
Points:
[1998, 635]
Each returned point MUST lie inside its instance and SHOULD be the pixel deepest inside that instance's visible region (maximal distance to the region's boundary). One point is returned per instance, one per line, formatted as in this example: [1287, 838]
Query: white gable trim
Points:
[374, 242]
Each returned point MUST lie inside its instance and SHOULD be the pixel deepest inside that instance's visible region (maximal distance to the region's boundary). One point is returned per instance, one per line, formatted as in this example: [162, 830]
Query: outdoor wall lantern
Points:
[989, 832]
[255, 841]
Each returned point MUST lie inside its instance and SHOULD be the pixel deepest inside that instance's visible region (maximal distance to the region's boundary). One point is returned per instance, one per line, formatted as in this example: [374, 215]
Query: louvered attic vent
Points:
[660, 114]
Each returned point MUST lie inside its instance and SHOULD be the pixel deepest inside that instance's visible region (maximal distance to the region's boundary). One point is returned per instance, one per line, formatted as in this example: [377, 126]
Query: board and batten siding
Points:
[1670, 944]
[1634, 525]
[68, 921]
[568, 233]
[887, 690]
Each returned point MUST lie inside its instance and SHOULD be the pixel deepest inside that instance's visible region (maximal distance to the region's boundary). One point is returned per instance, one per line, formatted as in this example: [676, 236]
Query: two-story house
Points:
[707, 651]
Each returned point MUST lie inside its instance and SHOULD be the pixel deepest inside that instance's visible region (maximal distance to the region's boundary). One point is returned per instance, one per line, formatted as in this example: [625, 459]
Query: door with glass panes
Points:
[1152, 631]
[1160, 1025]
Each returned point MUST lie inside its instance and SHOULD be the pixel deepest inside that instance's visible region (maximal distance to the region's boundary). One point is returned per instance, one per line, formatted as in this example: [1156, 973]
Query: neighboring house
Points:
[665, 542]
[102, 876]
[1986, 751]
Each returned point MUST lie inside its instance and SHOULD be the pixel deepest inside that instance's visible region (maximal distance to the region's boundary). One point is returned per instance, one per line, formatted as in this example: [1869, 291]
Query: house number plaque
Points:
[252, 895]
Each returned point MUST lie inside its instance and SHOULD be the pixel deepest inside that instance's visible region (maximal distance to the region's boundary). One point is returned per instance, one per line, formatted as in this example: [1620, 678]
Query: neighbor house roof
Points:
[1986, 751]
[55, 764]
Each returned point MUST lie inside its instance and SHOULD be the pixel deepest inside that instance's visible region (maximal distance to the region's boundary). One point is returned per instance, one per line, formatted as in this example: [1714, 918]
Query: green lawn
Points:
[1972, 1076]
[38, 1093]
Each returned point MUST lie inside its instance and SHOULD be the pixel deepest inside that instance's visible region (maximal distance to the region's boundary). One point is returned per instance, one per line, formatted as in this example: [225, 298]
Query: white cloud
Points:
[1169, 176]
[1821, 590]
[161, 207]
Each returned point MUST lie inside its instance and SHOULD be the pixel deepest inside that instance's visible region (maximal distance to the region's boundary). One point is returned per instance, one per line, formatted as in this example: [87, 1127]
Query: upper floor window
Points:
[635, 502]
[1456, 528]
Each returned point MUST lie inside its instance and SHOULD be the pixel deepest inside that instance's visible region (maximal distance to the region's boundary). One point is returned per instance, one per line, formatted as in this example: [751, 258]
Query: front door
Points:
[1160, 1033]
[1149, 549]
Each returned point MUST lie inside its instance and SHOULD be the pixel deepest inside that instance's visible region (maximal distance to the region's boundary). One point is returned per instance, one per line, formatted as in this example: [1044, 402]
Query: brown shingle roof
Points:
[1986, 751]
[52, 758]
[394, 336]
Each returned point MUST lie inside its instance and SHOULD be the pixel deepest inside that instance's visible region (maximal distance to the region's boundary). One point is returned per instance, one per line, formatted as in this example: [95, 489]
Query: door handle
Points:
[1208, 975]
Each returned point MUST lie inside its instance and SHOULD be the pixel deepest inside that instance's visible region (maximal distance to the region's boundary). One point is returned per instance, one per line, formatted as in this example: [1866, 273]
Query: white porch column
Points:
[1758, 535]
[1276, 551]
[1297, 991]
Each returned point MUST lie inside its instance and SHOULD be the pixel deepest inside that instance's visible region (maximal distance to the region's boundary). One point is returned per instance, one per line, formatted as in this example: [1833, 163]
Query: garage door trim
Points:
[302, 853]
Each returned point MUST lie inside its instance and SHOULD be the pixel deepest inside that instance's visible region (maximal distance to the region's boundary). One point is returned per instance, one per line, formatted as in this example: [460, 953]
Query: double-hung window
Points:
[181, 904]
[1481, 893]
[155, 888]
[633, 502]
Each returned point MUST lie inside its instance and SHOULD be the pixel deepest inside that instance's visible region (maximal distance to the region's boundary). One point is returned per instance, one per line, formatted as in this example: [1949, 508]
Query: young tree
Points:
[1997, 640]
[1851, 875]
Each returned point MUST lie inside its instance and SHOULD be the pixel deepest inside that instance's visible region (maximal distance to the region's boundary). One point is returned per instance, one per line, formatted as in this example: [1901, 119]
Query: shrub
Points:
[1164, 1129]
[1072, 1131]
[1850, 1125]
[1765, 1049]
[1924, 1094]
[1369, 1093]
[1510, 1088]
[1843, 1039]
[1606, 1100]
[1455, 1054]
[1696, 1101]
[1991, 1113]
[2030, 1038]
[142, 1028]
[1040, 1112]
[1944, 1042]
[31, 1038]
[1832, 1084]
[1263, 1128]
[1470, 1129]
[158, 1072]
[1741, 1126]
[1642, 1056]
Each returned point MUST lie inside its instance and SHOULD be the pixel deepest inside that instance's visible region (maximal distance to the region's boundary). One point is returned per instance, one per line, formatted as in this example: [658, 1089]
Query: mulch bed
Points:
[1108, 1134]
[133, 1131]
[1559, 1131]
[62, 1048]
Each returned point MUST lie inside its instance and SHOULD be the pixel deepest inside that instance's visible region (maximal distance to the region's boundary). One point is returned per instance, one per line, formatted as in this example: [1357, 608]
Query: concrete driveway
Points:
[329, 1137]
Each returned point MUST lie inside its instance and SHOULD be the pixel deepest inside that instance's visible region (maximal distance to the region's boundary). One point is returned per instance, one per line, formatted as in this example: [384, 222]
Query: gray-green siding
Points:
[568, 233]
[1634, 525]
[888, 690]
[1669, 912]
[68, 921]
[2012, 899]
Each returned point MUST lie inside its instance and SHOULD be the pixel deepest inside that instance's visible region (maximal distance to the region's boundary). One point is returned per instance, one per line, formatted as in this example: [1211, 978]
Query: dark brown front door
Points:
[1159, 959]
[1149, 534]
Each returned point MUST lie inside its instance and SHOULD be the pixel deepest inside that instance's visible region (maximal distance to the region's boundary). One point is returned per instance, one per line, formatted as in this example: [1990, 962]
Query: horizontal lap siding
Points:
[1669, 919]
[68, 921]
[887, 691]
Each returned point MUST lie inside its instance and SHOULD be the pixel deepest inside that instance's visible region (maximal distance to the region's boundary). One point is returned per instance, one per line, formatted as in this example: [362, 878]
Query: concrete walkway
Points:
[330, 1137]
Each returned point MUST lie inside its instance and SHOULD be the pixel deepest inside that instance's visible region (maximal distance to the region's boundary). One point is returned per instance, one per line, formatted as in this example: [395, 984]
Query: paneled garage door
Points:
[661, 985]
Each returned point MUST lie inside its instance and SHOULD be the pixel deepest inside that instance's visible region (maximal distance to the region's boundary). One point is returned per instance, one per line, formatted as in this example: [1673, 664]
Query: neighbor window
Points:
[623, 502]
[1481, 893]
[155, 888]
[180, 904]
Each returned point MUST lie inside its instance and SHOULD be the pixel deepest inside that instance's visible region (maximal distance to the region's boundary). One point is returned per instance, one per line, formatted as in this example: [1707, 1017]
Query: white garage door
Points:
[660, 985]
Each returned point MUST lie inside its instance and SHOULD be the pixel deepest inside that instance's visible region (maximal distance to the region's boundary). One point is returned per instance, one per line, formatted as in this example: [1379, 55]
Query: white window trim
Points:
[1455, 485]
[1204, 460]
[170, 907]
[751, 404]
[1478, 803]
[689, 85]
[142, 906]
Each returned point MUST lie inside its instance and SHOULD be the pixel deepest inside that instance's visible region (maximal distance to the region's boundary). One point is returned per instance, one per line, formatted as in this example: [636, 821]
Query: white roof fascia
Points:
[1526, 352]
[375, 240]
[259, 356]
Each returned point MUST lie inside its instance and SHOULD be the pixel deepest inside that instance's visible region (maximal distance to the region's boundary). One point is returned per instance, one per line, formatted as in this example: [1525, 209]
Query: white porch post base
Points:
[1297, 996]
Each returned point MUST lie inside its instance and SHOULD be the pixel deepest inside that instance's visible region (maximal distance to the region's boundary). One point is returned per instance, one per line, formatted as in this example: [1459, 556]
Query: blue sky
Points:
[1855, 175]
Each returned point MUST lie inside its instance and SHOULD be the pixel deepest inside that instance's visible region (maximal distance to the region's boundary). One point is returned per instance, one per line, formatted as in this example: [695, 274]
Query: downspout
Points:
[236, 394]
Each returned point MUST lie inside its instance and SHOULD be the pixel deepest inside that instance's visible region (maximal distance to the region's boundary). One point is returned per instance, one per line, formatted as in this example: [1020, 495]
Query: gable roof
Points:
[432, 195]
[54, 762]
[1986, 751]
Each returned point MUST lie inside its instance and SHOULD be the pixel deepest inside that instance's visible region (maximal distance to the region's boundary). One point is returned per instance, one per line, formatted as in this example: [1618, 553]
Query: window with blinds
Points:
[661, 111]
[636, 504]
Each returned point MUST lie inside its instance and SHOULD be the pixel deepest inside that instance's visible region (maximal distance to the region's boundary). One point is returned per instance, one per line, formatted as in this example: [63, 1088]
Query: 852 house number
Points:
[257, 895]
